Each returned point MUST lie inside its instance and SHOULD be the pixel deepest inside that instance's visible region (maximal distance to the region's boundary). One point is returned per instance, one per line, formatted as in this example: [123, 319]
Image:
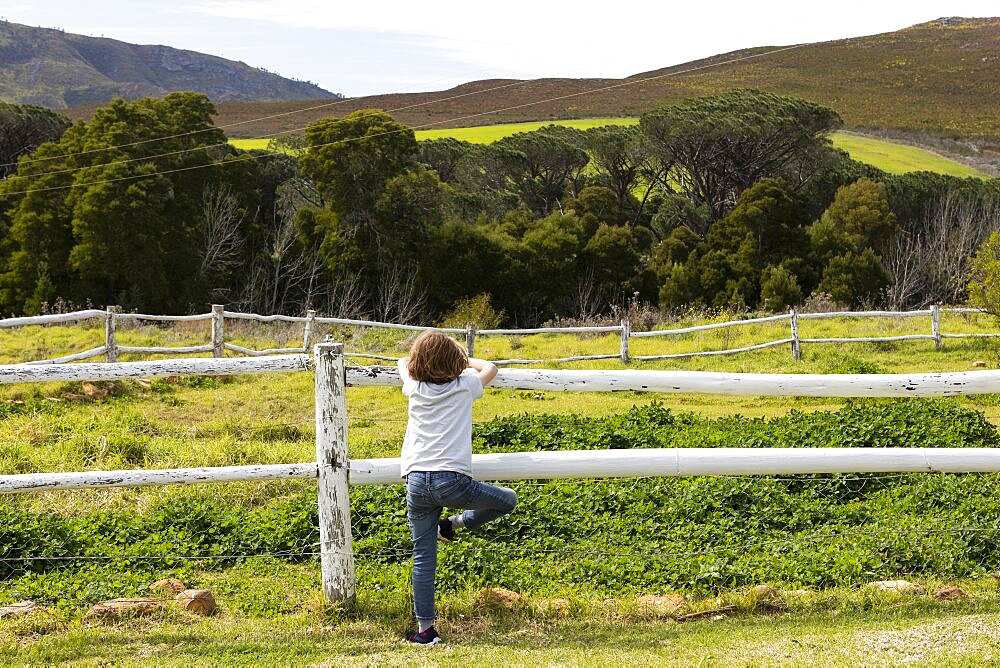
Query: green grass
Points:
[891, 157]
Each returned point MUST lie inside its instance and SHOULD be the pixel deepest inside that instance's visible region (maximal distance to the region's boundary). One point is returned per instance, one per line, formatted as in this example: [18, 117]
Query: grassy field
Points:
[892, 157]
[271, 607]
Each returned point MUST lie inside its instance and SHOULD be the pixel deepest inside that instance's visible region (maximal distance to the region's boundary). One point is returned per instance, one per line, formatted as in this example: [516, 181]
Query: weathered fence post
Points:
[307, 333]
[626, 332]
[110, 340]
[936, 325]
[796, 345]
[218, 331]
[470, 339]
[336, 544]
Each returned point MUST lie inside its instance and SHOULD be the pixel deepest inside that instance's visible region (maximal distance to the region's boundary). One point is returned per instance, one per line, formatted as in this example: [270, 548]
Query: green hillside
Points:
[891, 157]
[57, 69]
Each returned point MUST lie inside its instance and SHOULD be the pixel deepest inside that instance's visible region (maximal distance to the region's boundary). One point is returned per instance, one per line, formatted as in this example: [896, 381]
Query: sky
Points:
[391, 46]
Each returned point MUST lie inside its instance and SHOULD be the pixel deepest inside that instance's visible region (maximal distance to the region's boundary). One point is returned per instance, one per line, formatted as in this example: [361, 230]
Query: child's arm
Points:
[404, 374]
[487, 370]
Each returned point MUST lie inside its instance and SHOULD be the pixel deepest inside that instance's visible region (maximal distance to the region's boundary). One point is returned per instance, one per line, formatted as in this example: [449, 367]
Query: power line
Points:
[416, 127]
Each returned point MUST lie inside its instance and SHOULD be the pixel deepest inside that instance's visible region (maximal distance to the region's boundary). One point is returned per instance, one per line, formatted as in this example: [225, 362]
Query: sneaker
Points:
[428, 637]
[446, 532]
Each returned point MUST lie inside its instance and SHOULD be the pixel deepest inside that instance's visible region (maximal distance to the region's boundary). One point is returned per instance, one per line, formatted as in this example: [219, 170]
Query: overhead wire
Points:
[381, 134]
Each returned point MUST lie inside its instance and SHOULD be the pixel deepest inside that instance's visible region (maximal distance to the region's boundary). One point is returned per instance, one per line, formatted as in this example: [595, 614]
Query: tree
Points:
[350, 159]
[538, 167]
[117, 215]
[443, 155]
[859, 217]
[857, 279]
[718, 146]
[23, 128]
[984, 283]
[619, 153]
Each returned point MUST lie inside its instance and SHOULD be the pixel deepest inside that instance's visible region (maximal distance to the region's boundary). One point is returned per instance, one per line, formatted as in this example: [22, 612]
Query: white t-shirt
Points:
[439, 430]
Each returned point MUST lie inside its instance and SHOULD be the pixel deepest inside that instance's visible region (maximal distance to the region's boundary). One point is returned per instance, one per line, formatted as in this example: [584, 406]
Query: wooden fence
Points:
[335, 471]
[218, 346]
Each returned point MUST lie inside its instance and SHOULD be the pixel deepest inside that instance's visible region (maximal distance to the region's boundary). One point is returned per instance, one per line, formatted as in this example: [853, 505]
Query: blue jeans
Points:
[427, 493]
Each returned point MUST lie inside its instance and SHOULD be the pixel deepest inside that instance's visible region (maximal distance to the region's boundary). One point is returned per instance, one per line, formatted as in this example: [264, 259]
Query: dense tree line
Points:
[735, 200]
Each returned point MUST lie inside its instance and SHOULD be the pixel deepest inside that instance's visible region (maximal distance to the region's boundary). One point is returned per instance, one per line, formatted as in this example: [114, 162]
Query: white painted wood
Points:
[950, 309]
[336, 545]
[75, 357]
[34, 482]
[262, 353]
[864, 314]
[871, 339]
[470, 340]
[553, 330]
[580, 358]
[165, 318]
[651, 462]
[387, 325]
[235, 315]
[25, 373]
[307, 330]
[110, 339]
[936, 326]
[709, 353]
[372, 356]
[626, 331]
[709, 382]
[967, 336]
[52, 319]
[705, 328]
[218, 331]
[796, 341]
[207, 348]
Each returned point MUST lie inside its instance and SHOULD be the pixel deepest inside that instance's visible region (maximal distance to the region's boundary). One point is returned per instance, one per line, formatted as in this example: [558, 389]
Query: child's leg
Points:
[423, 514]
[485, 503]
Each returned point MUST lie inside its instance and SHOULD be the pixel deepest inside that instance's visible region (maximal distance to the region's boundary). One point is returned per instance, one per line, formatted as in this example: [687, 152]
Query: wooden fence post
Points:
[110, 340]
[626, 332]
[470, 339]
[336, 544]
[936, 325]
[796, 345]
[218, 331]
[307, 333]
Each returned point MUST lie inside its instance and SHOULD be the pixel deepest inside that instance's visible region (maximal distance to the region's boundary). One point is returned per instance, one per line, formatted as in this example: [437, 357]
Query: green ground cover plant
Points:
[254, 544]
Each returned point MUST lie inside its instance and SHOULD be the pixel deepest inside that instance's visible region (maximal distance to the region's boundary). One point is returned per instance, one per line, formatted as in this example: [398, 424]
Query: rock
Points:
[556, 606]
[899, 586]
[662, 606]
[499, 597]
[766, 597]
[20, 609]
[122, 608]
[198, 601]
[171, 586]
[949, 593]
[979, 363]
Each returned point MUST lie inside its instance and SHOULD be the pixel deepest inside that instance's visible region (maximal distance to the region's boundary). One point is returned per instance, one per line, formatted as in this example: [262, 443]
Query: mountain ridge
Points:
[56, 69]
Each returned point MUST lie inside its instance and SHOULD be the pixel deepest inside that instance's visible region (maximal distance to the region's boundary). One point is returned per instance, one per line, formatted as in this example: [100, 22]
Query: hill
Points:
[940, 77]
[58, 70]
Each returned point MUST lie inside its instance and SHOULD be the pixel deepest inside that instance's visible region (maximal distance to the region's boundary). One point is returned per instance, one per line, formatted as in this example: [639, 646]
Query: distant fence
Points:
[335, 470]
[218, 346]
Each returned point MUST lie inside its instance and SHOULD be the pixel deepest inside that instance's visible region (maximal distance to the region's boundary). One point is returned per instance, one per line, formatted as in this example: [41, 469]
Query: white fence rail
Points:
[218, 346]
[335, 471]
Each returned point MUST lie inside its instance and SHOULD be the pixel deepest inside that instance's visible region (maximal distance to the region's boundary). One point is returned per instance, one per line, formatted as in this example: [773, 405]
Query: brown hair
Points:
[436, 358]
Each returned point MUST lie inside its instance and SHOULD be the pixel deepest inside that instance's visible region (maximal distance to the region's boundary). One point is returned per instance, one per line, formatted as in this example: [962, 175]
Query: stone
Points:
[898, 586]
[556, 606]
[499, 597]
[171, 586]
[766, 597]
[661, 606]
[20, 609]
[122, 608]
[198, 601]
[949, 593]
